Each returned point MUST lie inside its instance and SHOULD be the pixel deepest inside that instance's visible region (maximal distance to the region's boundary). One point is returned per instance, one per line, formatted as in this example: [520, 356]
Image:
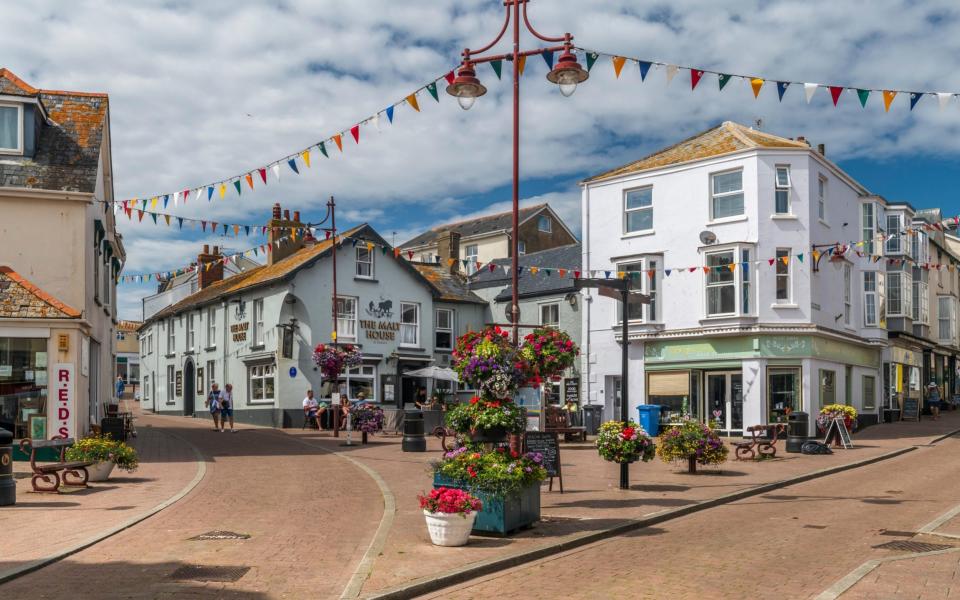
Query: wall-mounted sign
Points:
[240, 313]
[178, 385]
[293, 372]
[64, 399]
[239, 331]
[380, 310]
[380, 330]
[63, 342]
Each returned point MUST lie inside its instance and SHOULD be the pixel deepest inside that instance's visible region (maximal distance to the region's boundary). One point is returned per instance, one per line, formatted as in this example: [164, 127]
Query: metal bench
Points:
[749, 448]
[74, 473]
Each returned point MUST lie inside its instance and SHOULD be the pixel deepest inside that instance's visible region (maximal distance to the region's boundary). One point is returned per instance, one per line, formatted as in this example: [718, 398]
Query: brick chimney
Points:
[215, 273]
[284, 228]
[448, 246]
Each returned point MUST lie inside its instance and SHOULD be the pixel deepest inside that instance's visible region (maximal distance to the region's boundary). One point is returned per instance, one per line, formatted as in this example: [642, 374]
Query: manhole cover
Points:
[907, 546]
[209, 573]
[220, 535]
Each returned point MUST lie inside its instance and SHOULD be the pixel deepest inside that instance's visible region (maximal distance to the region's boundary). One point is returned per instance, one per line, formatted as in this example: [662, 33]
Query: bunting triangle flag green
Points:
[323, 149]
[591, 58]
[154, 215]
[497, 67]
[724, 80]
[236, 184]
[863, 95]
[432, 88]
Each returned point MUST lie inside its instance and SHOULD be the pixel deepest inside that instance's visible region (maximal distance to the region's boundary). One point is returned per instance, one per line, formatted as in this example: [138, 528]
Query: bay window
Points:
[870, 308]
[638, 210]
[262, 383]
[721, 284]
[409, 324]
[745, 277]
[921, 303]
[726, 194]
[894, 227]
[899, 294]
[947, 318]
[868, 226]
[782, 191]
[346, 318]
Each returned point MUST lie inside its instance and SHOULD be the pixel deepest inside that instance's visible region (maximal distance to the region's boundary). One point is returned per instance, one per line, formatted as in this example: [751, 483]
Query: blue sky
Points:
[202, 91]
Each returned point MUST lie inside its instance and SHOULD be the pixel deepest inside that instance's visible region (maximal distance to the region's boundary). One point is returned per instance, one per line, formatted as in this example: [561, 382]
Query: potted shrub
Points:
[506, 482]
[694, 442]
[450, 513]
[105, 454]
[621, 442]
[367, 419]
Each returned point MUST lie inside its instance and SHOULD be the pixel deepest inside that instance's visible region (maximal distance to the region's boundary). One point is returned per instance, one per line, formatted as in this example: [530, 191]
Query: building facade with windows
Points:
[59, 258]
[127, 353]
[257, 330]
[748, 245]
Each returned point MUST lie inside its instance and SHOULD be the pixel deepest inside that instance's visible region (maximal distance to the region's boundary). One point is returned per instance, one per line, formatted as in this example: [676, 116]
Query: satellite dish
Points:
[708, 238]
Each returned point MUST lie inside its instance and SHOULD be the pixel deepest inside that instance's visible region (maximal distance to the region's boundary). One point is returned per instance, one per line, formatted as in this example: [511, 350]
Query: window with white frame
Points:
[550, 314]
[643, 284]
[638, 210]
[782, 191]
[745, 281]
[170, 384]
[726, 195]
[894, 227]
[143, 346]
[360, 380]
[870, 306]
[947, 318]
[258, 328]
[11, 129]
[783, 275]
[919, 250]
[921, 303]
[544, 224]
[346, 318]
[868, 226]
[150, 342]
[364, 262]
[847, 294]
[191, 331]
[721, 284]
[443, 335]
[211, 327]
[171, 336]
[471, 253]
[262, 383]
[409, 324]
[634, 304]
[899, 296]
[211, 372]
[822, 198]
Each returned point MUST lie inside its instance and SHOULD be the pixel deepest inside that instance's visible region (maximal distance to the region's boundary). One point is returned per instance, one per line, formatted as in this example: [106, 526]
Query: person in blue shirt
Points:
[120, 387]
[933, 399]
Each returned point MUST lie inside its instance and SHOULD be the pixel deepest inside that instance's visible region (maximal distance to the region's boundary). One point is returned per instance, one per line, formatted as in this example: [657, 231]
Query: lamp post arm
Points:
[467, 52]
[566, 38]
[485, 59]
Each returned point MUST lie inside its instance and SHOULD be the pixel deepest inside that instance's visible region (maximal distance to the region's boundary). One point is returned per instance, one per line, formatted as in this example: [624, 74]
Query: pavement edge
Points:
[29, 567]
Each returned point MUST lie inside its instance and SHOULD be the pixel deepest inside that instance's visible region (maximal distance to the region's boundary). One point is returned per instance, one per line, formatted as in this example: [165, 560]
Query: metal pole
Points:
[333, 237]
[515, 235]
[624, 395]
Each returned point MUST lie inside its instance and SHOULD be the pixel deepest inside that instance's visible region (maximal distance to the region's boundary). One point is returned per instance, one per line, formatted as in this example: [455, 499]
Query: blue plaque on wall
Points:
[293, 371]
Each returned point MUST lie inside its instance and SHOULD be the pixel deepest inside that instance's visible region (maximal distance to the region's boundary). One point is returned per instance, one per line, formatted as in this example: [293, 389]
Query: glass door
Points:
[716, 398]
[724, 400]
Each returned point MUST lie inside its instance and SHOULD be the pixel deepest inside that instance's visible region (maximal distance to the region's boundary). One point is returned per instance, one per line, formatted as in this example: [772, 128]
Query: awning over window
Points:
[672, 383]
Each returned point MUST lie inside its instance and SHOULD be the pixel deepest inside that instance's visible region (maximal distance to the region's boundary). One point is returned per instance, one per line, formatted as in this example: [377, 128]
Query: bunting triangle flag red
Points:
[450, 77]
[771, 261]
[835, 92]
[263, 174]
[410, 254]
[355, 131]
[695, 75]
[692, 269]
[140, 214]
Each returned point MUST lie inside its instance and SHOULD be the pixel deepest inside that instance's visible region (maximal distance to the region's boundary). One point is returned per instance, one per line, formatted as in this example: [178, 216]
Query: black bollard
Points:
[413, 438]
[8, 487]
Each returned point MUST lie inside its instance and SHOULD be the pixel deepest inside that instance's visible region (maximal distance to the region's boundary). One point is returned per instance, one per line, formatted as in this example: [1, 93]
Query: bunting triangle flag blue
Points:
[293, 165]
[781, 88]
[667, 272]
[644, 69]
[247, 228]
[165, 200]
[914, 98]
[180, 222]
[390, 113]
[548, 58]
[607, 274]
[209, 193]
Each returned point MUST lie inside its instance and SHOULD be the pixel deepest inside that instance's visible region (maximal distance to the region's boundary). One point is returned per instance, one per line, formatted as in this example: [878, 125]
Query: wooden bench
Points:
[74, 473]
[749, 448]
[558, 421]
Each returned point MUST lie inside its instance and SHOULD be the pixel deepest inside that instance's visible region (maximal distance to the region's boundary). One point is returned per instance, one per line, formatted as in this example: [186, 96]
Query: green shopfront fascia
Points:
[752, 380]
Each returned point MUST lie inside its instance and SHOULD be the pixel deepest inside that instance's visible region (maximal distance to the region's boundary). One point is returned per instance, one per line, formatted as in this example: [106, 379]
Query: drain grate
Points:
[209, 573]
[220, 535]
[907, 546]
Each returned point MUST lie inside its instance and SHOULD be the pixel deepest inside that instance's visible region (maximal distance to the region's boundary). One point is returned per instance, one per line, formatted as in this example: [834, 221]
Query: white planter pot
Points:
[449, 530]
[100, 471]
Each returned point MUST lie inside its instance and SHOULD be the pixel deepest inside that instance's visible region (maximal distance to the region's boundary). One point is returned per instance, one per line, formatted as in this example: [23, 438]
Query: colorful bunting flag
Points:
[695, 75]
[645, 68]
[618, 62]
[809, 89]
[756, 83]
[943, 99]
[497, 66]
[305, 155]
[338, 139]
[355, 132]
[293, 165]
[888, 97]
[782, 88]
[723, 79]
[548, 58]
[591, 58]
[914, 98]
[432, 88]
[863, 95]
[236, 184]
[389, 112]
[521, 63]
[671, 72]
[835, 92]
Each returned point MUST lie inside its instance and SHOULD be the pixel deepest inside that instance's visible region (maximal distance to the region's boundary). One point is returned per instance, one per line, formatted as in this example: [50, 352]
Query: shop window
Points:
[360, 380]
[782, 191]
[727, 195]
[262, 383]
[347, 318]
[550, 315]
[671, 390]
[869, 393]
[638, 210]
[23, 384]
[783, 392]
[444, 329]
[409, 324]
[828, 387]
[364, 262]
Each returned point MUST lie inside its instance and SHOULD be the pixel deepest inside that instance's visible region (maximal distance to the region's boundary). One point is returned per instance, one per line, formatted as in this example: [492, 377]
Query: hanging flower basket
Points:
[627, 442]
[547, 352]
[481, 418]
[488, 362]
[332, 360]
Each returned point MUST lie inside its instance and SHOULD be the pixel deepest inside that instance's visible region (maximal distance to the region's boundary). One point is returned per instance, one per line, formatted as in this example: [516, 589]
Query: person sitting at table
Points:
[312, 409]
[423, 403]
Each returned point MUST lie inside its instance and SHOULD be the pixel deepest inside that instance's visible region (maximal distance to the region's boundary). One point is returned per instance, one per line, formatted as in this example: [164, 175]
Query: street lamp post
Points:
[466, 87]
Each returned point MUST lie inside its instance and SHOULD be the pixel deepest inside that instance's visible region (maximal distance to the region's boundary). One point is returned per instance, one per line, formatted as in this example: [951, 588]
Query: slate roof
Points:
[723, 139]
[230, 268]
[564, 257]
[476, 226]
[20, 299]
[68, 150]
[450, 287]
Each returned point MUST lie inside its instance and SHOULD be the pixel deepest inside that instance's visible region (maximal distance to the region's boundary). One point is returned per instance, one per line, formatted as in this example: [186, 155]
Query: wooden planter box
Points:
[500, 515]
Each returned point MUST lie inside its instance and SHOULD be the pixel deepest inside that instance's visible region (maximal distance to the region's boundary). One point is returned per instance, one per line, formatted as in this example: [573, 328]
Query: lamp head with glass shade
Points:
[466, 88]
[567, 73]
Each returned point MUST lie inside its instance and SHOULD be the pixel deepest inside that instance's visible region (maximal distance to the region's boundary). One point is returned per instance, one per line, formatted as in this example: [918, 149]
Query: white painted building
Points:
[720, 230]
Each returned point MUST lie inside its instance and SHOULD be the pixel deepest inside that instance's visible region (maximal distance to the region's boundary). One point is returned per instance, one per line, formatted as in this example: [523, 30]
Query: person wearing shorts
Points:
[213, 403]
[933, 400]
[226, 407]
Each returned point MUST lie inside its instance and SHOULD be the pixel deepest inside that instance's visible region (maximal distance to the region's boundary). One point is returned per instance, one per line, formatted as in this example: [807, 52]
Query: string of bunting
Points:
[293, 161]
[695, 76]
[171, 220]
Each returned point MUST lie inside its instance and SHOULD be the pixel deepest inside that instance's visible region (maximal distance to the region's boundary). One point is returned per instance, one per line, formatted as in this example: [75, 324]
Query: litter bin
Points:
[650, 418]
[891, 415]
[592, 417]
[413, 438]
[797, 431]
[8, 487]
[113, 427]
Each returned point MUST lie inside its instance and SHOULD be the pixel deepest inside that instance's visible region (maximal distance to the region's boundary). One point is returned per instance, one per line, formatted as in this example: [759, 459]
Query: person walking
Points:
[226, 408]
[933, 400]
[120, 386]
[213, 403]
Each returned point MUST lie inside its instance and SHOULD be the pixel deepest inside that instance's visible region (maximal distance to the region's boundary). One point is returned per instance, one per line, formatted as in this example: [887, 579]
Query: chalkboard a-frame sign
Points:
[548, 444]
[911, 409]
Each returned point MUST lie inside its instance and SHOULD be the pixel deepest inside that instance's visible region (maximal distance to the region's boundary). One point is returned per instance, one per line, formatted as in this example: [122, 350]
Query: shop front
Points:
[902, 376]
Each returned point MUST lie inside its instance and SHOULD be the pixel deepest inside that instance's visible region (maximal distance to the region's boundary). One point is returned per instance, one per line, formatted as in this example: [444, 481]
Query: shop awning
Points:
[673, 383]
[412, 357]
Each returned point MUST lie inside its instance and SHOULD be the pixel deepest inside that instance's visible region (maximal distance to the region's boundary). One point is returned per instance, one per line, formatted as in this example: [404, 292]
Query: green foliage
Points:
[500, 473]
[101, 448]
[621, 442]
[692, 439]
[479, 414]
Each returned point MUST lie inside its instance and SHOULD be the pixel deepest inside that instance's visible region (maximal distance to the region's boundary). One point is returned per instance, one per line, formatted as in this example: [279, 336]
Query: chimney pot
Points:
[276, 210]
[206, 248]
[296, 216]
[822, 149]
[286, 214]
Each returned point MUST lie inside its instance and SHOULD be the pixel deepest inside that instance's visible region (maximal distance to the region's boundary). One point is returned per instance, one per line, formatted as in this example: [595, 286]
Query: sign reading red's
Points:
[64, 398]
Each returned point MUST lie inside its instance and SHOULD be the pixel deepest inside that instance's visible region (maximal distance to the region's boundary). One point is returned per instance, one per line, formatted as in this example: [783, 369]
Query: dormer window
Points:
[11, 128]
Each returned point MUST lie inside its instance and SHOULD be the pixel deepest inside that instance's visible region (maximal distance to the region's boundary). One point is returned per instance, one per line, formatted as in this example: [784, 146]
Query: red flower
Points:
[628, 433]
[474, 400]
[514, 454]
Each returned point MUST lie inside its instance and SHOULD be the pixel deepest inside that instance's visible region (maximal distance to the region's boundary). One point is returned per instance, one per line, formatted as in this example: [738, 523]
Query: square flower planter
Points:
[500, 515]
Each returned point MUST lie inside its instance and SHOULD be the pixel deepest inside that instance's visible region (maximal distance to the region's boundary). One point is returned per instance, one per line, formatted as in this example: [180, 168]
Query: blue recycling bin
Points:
[650, 418]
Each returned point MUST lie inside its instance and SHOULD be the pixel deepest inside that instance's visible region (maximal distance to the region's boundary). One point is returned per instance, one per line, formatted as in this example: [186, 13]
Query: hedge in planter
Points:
[694, 442]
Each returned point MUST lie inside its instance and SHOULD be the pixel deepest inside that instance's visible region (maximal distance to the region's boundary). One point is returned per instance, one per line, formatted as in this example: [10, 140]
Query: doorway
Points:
[189, 387]
[409, 387]
[724, 400]
[93, 406]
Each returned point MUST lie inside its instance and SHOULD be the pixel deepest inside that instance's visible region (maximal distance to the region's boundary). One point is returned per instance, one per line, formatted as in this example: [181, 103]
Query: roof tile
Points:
[21, 299]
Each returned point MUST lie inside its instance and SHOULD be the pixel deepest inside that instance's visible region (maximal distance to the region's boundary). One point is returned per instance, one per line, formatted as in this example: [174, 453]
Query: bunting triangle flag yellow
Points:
[785, 259]
[618, 65]
[412, 101]
[521, 63]
[236, 231]
[816, 255]
[622, 274]
[887, 99]
[338, 139]
[732, 266]
[756, 83]
[369, 247]
[534, 270]
[223, 190]
[306, 157]
[153, 202]
[167, 219]
[450, 261]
